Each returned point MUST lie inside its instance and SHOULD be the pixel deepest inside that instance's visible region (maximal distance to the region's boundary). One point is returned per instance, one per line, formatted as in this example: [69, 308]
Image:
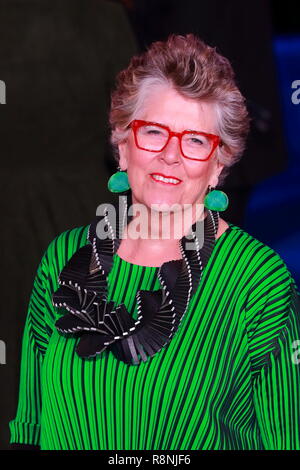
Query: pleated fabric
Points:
[228, 380]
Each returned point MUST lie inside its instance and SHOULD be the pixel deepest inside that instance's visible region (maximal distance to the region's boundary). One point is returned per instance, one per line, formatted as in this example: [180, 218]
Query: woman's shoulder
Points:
[260, 260]
[242, 235]
[64, 245]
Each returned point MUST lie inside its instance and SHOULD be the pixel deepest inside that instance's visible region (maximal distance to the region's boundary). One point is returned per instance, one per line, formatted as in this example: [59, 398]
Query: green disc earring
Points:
[118, 182]
[216, 200]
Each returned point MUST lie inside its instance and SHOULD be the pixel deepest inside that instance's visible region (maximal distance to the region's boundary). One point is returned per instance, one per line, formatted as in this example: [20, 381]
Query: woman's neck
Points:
[154, 250]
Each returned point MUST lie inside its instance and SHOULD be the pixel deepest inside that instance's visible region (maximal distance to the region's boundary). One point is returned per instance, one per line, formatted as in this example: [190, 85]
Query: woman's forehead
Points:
[167, 107]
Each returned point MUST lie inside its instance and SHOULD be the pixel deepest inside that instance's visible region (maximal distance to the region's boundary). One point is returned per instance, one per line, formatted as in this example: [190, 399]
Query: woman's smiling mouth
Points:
[170, 180]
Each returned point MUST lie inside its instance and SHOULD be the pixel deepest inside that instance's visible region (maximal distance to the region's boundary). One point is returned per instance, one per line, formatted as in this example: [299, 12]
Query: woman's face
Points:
[165, 106]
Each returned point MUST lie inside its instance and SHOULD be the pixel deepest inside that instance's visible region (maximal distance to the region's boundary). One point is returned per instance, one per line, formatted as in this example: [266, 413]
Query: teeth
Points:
[165, 180]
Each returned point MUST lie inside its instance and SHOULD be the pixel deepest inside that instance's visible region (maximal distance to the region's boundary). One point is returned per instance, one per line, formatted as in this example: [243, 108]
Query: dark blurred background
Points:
[59, 59]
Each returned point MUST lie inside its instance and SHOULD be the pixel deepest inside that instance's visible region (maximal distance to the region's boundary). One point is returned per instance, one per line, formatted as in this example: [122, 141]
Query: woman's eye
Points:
[153, 131]
[195, 140]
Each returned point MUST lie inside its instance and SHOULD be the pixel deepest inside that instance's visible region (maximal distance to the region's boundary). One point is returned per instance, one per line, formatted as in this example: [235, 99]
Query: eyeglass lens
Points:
[153, 137]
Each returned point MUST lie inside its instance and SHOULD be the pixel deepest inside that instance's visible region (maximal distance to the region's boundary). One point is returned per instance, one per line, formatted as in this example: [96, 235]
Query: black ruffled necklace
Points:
[101, 325]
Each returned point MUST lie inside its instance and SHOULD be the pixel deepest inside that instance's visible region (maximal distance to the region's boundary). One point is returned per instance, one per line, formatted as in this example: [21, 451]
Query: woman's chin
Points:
[159, 202]
[163, 204]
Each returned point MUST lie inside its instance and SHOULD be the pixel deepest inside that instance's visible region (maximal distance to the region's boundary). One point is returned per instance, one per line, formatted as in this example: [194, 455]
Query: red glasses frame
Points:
[137, 123]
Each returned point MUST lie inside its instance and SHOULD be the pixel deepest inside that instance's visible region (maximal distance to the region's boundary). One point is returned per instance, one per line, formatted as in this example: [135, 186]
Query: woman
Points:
[138, 340]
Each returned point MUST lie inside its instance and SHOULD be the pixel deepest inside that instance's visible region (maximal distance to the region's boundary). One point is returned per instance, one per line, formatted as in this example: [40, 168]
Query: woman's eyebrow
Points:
[158, 123]
[165, 125]
[193, 130]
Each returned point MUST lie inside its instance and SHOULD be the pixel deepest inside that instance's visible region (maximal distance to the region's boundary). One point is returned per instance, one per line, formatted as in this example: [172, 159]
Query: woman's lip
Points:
[164, 176]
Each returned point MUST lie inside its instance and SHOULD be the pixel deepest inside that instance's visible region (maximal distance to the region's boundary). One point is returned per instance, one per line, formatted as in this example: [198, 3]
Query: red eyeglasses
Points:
[155, 137]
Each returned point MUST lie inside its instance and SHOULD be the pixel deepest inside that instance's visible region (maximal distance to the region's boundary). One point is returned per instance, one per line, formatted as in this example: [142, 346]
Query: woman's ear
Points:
[123, 153]
[123, 163]
[216, 173]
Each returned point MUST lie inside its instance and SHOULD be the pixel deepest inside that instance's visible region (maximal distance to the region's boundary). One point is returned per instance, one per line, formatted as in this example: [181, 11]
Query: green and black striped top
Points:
[229, 379]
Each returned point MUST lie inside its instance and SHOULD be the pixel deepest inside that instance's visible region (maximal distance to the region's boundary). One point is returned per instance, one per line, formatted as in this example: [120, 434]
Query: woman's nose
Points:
[172, 152]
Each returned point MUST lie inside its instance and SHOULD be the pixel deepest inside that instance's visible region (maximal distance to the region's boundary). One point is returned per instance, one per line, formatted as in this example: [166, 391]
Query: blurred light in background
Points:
[273, 212]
